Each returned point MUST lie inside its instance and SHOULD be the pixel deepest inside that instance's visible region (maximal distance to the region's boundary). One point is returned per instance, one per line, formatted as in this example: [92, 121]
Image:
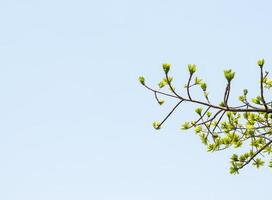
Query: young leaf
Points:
[185, 126]
[198, 111]
[245, 91]
[162, 83]
[197, 80]
[258, 163]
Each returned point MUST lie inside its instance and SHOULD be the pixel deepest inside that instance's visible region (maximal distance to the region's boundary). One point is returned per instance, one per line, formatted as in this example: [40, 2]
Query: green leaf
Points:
[212, 147]
[258, 163]
[270, 164]
[197, 80]
[234, 157]
[229, 114]
[226, 141]
[170, 79]
[185, 126]
[234, 170]
[238, 144]
[198, 111]
[204, 138]
[162, 83]
[268, 150]
[198, 129]
[257, 100]
[242, 98]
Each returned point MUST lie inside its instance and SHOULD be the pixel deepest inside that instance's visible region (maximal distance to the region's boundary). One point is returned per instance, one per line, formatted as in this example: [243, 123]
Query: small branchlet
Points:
[221, 126]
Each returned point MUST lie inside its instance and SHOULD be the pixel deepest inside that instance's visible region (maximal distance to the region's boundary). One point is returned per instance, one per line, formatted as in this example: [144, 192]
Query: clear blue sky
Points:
[76, 124]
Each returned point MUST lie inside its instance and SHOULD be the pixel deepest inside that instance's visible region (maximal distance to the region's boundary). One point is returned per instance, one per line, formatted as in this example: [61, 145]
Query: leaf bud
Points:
[185, 126]
[229, 74]
[192, 68]
[260, 62]
[157, 125]
[245, 92]
[203, 86]
[141, 80]
[234, 157]
[198, 111]
[166, 67]
[197, 80]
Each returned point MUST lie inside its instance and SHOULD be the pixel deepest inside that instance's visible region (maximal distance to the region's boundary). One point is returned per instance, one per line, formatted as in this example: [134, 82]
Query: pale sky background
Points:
[76, 124]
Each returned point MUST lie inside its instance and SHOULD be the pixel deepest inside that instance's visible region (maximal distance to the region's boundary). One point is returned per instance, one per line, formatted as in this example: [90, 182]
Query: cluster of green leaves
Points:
[221, 126]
